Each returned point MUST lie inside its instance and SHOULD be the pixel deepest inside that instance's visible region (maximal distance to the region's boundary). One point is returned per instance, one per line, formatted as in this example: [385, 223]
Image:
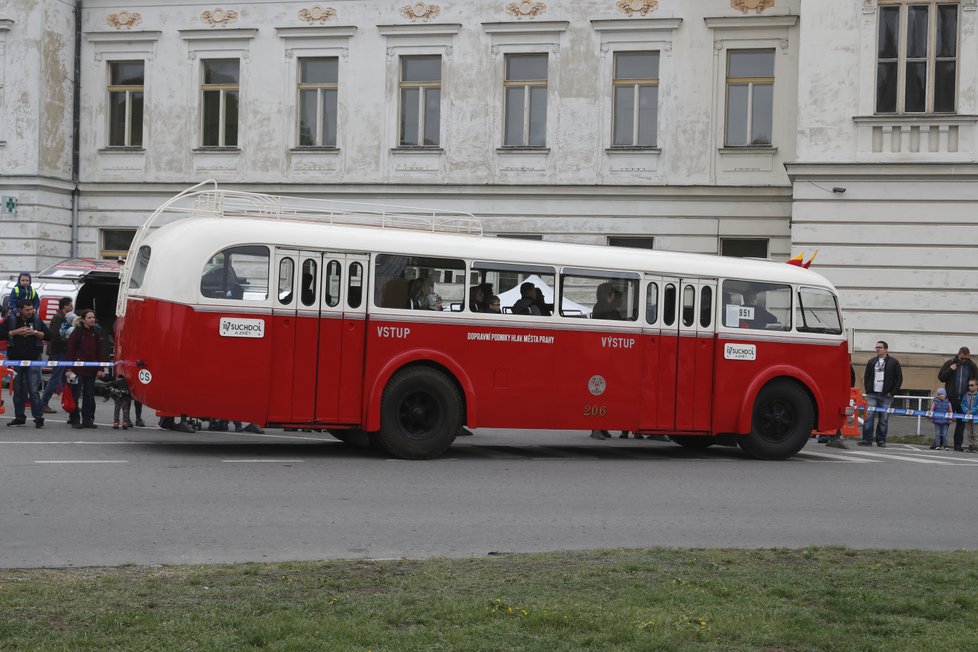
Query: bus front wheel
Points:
[781, 423]
[420, 413]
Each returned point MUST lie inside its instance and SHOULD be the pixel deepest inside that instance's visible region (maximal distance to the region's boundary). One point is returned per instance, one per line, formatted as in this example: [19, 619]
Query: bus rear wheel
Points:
[781, 423]
[693, 441]
[420, 413]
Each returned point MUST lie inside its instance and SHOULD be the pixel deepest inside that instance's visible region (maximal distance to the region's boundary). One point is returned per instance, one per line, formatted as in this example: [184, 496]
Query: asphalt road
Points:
[147, 496]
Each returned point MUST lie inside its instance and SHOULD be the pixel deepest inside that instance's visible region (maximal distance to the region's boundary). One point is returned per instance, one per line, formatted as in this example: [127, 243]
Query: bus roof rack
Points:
[217, 202]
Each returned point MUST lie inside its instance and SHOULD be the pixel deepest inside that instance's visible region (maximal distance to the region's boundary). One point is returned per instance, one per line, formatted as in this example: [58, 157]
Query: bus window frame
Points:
[270, 260]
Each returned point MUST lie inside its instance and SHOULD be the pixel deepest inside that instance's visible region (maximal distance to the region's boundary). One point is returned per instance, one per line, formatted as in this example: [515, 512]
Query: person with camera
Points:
[85, 344]
[25, 333]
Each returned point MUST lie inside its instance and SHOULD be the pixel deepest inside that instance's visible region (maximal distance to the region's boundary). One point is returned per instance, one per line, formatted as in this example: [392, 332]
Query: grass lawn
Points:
[657, 599]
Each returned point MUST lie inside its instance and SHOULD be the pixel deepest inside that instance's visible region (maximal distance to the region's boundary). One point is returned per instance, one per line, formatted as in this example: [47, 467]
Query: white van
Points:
[90, 282]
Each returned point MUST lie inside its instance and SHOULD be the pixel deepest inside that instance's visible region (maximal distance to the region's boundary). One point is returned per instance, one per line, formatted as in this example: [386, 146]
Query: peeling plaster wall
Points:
[56, 50]
[899, 241]
[35, 125]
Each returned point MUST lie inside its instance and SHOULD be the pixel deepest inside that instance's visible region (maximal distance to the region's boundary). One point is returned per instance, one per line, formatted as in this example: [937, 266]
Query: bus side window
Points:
[307, 290]
[652, 303]
[669, 305]
[689, 305]
[706, 306]
[237, 273]
[331, 284]
[354, 291]
[286, 280]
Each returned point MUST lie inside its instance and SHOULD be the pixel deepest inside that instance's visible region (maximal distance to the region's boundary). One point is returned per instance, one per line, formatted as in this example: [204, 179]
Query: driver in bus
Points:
[761, 316]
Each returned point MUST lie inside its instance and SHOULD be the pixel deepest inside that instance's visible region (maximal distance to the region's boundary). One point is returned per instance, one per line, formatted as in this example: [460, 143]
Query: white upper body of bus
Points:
[168, 262]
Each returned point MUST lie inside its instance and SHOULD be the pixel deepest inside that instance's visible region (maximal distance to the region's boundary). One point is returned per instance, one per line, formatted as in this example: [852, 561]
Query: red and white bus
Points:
[306, 314]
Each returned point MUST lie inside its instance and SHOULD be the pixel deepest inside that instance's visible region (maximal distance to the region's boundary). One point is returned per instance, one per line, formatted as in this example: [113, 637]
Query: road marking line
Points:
[903, 458]
[81, 461]
[835, 456]
[276, 461]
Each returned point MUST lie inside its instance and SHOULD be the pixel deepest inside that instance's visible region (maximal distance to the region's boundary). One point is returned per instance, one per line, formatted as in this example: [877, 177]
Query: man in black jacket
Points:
[26, 334]
[883, 379]
[955, 374]
[57, 348]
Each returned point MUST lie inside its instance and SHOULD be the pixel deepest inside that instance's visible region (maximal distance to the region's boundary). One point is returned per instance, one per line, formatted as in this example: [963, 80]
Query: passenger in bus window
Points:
[433, 301]
[418, 291]
[527, 303]
[494, 306]
[487, 292]
[608, 303]
[476, 298]
[541, 303]
[761, 316]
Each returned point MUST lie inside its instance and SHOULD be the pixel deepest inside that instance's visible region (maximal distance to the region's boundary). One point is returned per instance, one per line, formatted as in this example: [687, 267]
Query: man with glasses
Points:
[956, 374]
[883, 379]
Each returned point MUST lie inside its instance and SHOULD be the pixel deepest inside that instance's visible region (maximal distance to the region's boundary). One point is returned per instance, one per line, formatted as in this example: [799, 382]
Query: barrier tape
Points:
[921, 413]
[53, 363]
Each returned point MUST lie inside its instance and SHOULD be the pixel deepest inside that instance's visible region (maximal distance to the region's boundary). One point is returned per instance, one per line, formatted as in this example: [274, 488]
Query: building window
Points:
[743, 248]
[317, 101]
[420, 101]
[220, 92]
[750, 97]
[634, 241]
[126, 103]
[526, 100]
[114, 243]
[636, 88]
[916, 57]
[520, 236]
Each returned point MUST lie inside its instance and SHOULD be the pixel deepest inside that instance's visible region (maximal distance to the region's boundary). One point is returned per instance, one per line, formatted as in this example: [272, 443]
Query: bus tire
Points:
[781, 423]
[420, 413]
[693, 441]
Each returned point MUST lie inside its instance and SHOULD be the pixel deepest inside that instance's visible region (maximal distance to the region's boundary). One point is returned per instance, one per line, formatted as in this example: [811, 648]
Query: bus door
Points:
[341, 338]
[667, 353]
[648, 418]
[694, 377]
[283, 334]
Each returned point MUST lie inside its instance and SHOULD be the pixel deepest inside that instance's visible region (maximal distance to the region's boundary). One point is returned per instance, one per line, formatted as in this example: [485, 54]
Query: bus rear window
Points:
[818, 312]
[760, 306]
[139, 267]
[237, 273]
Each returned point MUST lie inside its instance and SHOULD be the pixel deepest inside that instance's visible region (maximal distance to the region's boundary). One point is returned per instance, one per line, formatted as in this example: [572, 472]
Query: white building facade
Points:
[716, 126]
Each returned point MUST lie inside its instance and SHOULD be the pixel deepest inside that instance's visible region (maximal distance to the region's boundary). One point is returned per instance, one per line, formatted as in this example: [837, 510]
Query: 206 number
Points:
[595, 410]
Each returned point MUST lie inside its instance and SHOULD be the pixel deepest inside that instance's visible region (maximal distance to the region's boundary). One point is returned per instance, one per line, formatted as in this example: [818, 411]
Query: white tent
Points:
[511, 296]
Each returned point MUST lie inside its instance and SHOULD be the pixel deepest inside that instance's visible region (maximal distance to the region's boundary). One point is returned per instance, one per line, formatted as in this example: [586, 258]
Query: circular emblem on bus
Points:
[596, 385]
[145, 377]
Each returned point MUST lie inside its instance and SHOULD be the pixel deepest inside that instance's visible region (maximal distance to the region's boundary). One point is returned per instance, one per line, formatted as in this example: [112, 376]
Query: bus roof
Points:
[196, 240]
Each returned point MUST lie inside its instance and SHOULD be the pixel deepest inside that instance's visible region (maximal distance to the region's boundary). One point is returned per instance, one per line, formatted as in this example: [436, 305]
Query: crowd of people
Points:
[72, 337]
[883, 378]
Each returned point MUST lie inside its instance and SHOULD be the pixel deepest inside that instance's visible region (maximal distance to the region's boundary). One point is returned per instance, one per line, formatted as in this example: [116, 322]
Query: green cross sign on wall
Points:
[9, 204]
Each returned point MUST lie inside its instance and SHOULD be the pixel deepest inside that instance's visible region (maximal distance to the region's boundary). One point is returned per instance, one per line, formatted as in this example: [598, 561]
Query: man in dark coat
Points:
[883, 379]
[955, 374]
[26, 334]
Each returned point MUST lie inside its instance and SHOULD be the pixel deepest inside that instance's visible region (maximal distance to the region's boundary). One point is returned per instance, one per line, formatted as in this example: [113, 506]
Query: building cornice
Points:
[421, 29]
[6, 24]
[883, 171]
[543, 26]
[749, 22]
[637, 25]
[317, 31]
